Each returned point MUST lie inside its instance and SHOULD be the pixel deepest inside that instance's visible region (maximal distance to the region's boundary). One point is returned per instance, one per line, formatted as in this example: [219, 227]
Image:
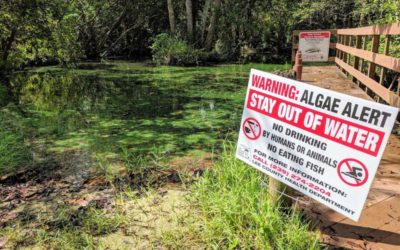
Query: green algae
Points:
[101, 107]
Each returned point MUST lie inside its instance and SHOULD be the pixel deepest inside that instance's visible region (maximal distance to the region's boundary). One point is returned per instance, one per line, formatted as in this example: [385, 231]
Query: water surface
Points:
[105, 107]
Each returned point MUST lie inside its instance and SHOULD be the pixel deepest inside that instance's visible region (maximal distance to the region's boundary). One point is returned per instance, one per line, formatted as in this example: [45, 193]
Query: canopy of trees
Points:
[63, 31]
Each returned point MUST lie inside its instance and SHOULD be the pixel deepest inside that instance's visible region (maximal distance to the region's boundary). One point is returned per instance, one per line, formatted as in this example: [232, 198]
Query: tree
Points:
[189, 19]
[171, 17]
[213, 24]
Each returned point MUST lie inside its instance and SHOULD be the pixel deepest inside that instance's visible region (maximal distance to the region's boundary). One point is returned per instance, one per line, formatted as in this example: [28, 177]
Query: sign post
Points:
[324, 144]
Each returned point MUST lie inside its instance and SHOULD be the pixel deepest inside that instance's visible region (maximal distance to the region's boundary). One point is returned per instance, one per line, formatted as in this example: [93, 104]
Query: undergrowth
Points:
[229, 212]
[14, 153]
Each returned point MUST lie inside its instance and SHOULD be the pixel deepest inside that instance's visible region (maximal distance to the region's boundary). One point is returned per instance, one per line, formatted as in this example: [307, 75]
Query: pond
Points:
[106, 108]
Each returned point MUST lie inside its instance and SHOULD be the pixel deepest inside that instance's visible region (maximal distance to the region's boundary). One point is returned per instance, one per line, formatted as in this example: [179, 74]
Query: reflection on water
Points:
[102, 107]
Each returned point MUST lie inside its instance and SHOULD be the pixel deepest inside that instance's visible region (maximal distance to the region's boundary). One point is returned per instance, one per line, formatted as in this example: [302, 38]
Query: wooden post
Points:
[386, 52]
[275, 188]
[345, 40]
[298, 65]
[364, 48]
[357, 59]
[375, 47]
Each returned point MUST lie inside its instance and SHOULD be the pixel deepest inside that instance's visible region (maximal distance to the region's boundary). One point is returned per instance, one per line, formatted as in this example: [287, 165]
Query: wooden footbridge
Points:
[365, 66]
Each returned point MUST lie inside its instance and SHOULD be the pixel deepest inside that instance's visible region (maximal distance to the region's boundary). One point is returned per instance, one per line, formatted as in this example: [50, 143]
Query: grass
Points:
[67, 228]
[229, 212]
[224, 209]
[14, 153]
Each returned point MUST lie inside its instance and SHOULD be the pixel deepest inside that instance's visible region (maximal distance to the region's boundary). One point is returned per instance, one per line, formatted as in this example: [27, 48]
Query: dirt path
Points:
[379, 224]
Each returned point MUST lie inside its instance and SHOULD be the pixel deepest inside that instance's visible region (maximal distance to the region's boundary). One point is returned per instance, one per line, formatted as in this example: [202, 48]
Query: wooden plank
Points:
[379, 59]
[371, 219]
[383, 29]
[374, 49]
[385, 52]
[297, 32]
[378, 89]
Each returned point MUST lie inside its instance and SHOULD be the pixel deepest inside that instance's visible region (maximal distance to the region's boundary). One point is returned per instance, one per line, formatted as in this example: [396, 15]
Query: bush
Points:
[169, 50]
[13, 151]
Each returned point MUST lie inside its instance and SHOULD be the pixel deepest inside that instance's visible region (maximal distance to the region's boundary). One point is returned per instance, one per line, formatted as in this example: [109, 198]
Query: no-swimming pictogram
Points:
[352, 172]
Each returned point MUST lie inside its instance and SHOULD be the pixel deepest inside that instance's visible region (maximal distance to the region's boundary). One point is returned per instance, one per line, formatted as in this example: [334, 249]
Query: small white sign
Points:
[314, 46]
[324, 144]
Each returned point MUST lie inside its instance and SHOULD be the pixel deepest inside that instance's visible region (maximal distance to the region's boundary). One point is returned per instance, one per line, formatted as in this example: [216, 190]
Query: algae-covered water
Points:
[102, 108]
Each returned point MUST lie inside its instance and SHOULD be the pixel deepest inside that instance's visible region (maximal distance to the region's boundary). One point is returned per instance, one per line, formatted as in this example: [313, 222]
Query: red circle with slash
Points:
[251, 128]
[352, 172]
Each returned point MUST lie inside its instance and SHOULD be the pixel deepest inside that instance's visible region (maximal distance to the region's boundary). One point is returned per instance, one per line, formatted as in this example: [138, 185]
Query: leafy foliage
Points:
[170, 50]
[44, 31]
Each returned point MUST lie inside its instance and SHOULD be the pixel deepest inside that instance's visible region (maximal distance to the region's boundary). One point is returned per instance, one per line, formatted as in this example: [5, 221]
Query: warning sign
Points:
[324, 144]
[314, 46]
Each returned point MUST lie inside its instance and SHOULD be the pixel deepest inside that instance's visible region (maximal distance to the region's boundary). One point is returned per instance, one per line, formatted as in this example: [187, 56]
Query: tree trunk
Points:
[116, 24]
[189, 17]
[204, 16]
[8, 44]
[213, 23]
[171, 16]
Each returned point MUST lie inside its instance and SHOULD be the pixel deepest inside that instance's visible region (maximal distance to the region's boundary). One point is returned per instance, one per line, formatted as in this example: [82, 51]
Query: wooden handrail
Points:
[382, 29]
[352, 43]
[389, 96]
[380, 59]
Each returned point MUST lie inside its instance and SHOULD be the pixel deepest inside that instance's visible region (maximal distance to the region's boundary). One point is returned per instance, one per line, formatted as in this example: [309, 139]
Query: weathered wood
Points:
[374, 49]
[383, 29]
[357, 58]
[385, 51]
[298, 65]
[378, 89]
[345, 42]
[379, 59]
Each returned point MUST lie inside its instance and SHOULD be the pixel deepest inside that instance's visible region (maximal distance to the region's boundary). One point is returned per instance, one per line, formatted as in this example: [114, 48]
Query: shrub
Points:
[169, 50]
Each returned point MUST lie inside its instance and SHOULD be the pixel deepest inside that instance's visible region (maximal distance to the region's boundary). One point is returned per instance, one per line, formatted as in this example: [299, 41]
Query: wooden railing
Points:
[358, 56]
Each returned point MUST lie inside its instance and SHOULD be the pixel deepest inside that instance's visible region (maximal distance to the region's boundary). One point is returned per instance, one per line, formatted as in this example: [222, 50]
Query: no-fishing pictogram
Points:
[251, 128]
[352, 172]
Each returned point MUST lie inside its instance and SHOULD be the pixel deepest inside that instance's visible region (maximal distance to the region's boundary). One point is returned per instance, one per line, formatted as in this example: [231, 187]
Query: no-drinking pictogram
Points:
[352, 172]
[251, 128]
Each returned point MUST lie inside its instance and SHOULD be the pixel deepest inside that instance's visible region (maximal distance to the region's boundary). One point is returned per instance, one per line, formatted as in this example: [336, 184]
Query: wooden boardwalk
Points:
[379, 224]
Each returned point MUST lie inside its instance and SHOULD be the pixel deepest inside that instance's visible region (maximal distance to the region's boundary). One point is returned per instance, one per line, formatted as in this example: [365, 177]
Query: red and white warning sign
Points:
[324, 144]
[314, 46]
